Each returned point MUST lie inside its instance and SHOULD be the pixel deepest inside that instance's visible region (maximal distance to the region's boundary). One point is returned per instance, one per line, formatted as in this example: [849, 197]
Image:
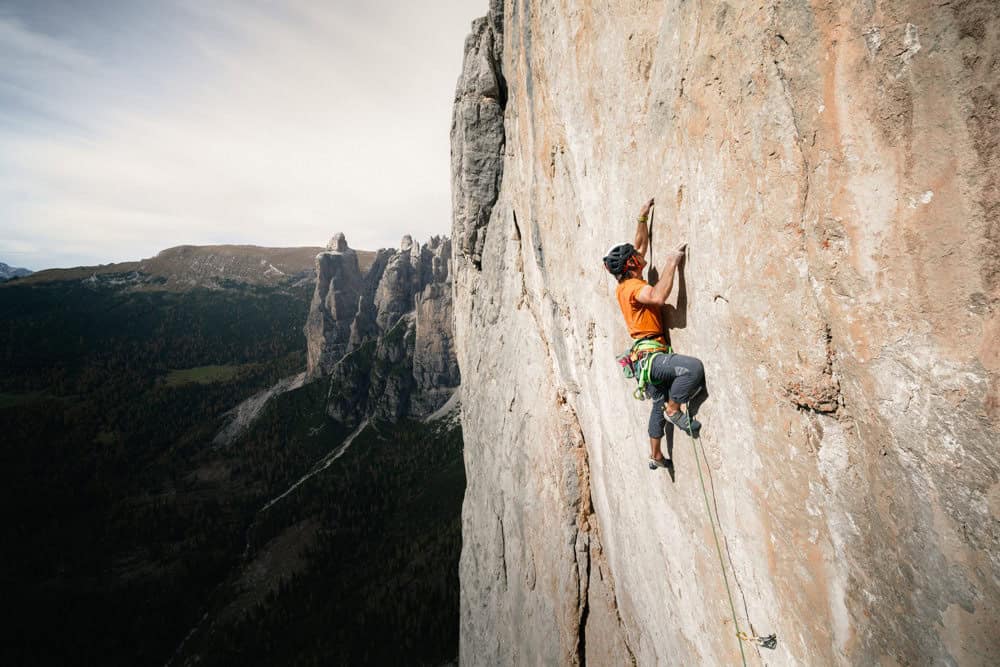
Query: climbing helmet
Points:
[617, 259]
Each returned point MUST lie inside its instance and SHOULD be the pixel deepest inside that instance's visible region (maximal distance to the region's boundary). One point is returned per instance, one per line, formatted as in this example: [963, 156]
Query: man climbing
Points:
[669, 379]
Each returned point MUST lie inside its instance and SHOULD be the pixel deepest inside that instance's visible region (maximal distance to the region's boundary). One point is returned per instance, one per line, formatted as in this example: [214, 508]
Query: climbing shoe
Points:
[685, 423]
[660, 463]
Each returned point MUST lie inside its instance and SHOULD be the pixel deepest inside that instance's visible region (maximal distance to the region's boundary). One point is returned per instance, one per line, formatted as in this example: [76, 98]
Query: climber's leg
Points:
[654, 449]
[656, 425]
[697, 399]
[662, 374]
[689, 378]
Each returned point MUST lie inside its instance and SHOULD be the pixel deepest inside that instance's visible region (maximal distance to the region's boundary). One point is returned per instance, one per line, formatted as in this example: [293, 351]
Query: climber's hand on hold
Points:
[641, 244]
[677, 254]
[644, 212]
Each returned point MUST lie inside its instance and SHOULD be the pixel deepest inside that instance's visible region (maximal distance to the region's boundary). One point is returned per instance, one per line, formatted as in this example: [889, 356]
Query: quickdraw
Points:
[770, 641]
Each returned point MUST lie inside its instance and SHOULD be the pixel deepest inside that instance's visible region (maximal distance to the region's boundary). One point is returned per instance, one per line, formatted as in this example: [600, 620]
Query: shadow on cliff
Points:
[668, 433]
[669, 430]
[674, 317]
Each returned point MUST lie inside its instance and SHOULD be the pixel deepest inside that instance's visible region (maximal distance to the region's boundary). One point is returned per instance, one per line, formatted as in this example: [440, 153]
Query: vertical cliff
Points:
[382, 339]
[333, 308]
[834, 168]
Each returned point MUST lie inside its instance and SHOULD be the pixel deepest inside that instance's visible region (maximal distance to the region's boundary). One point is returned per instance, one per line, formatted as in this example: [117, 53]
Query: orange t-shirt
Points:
[641, 320]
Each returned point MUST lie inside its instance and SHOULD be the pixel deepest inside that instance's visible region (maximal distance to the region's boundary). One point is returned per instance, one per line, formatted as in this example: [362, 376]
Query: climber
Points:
[669, 379]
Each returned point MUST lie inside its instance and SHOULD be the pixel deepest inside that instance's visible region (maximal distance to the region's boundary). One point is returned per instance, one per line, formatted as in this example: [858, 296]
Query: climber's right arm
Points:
[656, 295]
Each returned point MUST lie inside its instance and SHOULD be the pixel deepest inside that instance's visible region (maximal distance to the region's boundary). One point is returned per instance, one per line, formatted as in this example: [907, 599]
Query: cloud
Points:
[245, 123]
[16, 247]
[19, 44]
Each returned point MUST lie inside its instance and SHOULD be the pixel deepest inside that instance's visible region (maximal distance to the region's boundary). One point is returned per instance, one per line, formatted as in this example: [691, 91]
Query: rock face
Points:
[835, 170]
[435, 369]
[334, 305]
[384, 340]
[477, 133]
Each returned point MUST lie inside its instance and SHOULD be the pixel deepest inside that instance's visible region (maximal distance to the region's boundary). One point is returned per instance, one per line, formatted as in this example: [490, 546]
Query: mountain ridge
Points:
[8, 272]
[188, 266]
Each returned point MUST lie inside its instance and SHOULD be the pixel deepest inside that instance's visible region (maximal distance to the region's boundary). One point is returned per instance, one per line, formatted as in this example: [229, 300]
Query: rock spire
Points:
[385, 339]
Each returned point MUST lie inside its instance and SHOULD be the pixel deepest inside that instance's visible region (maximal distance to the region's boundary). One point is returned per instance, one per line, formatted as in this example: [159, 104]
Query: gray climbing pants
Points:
[675, 376]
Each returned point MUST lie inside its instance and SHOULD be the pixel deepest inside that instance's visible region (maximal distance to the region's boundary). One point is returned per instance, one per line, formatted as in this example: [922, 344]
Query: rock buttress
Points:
[333, 308]
[382, 341]
[477, 135]
[834, 169]
[534, 577]
[396, 357]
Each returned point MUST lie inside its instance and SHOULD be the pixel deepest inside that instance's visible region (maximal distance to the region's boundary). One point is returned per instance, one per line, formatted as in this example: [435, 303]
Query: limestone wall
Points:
[834, 169]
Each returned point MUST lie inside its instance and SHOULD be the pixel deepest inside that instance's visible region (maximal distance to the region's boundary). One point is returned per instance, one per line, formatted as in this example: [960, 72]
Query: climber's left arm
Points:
[642, 229]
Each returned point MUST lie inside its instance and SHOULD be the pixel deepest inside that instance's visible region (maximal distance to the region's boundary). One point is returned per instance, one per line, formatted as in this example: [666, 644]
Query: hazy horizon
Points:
[421, 240]
[127, 129]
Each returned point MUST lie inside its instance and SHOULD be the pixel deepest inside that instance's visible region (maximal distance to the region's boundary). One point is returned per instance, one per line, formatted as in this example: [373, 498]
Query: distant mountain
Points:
[187, 266]
[7, 272]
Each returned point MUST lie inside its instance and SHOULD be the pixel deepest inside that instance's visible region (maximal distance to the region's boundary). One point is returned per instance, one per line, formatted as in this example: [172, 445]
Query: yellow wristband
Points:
[643, 218]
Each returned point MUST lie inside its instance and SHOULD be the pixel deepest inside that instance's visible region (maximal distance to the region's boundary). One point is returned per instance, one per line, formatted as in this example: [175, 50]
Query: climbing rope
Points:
[649, 235]
[767, 642]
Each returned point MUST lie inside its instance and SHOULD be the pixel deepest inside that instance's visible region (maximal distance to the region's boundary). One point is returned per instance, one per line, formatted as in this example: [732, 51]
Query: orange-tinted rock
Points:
[834, 168]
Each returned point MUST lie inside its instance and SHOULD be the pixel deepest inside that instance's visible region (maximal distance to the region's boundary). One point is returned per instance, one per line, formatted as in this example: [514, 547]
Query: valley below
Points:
[137, 539]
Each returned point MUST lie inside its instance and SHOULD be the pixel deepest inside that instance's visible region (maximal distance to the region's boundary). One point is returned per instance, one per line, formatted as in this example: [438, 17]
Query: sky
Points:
[127, 127]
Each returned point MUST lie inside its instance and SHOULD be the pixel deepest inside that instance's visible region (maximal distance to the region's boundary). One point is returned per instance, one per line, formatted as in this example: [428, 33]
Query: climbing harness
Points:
[646, 351]
[770, 641]
[636, 362]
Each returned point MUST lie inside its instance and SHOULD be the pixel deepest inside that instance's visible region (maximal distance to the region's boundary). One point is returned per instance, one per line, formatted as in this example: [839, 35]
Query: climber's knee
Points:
[690, 377]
